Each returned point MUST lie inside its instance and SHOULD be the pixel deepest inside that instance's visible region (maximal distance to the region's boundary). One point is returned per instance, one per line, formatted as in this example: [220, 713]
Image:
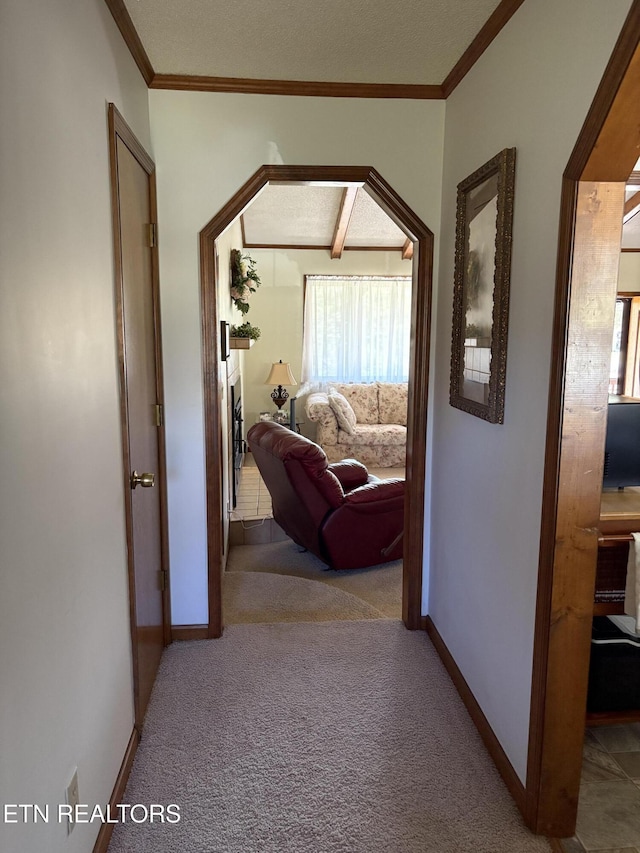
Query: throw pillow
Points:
[344, 413]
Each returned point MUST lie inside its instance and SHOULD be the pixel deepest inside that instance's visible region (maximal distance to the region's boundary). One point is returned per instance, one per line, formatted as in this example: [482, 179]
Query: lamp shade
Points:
[280, 374]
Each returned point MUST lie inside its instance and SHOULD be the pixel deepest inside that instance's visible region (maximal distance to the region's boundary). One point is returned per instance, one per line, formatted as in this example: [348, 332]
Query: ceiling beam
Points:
[407, 250]
[631, 207]
[342, 223]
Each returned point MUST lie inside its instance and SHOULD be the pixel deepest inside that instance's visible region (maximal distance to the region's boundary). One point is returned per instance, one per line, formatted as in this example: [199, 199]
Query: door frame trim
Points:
[422, 238]
[604, 154]
[119, 129]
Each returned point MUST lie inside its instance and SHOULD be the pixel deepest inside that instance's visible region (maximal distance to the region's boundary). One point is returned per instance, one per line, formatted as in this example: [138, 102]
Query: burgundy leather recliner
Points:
[339, 512]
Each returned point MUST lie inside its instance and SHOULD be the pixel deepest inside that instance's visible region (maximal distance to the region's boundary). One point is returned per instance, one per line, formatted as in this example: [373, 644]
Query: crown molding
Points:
[498, 19]
[132, 39]
[305, 88]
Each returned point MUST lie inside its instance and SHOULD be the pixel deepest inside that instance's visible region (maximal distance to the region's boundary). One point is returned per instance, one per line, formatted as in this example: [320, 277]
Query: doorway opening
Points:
[593, 196]
[422, 239]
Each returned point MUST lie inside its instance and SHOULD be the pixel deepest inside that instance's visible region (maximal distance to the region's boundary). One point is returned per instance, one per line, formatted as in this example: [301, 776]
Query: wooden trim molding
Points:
[588, 251]
[498, 755]
[132, 39]
[498, 19]
[106, 829]
[189, 632]
[422, 237]
[305, 88]
[328, 248]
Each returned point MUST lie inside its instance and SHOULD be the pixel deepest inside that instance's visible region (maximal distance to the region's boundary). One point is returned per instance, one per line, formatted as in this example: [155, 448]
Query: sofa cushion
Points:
[375, 434]
[341, 408]
[363, 399]
[392, 402]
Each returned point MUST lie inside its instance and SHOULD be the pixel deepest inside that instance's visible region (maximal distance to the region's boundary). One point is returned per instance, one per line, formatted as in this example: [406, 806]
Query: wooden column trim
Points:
[347, 204]
[569, 598]
[407, 250]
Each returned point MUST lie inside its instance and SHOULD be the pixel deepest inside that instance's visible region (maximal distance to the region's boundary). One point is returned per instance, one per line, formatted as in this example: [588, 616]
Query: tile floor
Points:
[254, 500]
[609, 806]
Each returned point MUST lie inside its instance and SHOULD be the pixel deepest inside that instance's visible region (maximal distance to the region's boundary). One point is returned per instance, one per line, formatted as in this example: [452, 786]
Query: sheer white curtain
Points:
[356, 329]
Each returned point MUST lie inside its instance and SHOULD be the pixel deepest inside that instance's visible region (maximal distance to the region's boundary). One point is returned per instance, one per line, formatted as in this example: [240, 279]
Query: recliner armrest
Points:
[368, 498]
[351, 473]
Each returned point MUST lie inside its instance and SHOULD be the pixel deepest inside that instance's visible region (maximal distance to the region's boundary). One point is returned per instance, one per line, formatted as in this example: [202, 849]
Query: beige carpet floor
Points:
[334, 737]
[262, 597]
[356, 594]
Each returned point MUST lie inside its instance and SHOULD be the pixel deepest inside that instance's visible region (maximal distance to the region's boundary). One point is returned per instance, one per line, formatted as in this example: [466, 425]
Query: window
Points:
[356, 329]
[624, 374]
[619, 346]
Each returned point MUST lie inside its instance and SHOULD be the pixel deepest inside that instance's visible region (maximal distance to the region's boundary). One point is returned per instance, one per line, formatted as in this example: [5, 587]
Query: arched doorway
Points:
[422, 239]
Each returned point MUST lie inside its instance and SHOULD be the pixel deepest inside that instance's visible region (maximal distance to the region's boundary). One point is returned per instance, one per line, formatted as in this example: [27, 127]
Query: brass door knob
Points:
[144, 480]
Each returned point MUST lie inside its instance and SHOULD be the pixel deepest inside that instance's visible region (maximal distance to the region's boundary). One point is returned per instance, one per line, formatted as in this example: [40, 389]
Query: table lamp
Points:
[280, 375]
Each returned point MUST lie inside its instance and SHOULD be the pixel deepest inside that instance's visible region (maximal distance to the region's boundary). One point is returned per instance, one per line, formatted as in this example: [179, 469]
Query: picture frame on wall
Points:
[484, 222]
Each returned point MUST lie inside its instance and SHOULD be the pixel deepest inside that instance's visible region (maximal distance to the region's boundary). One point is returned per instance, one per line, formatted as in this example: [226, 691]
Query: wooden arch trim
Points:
[592, 205]
[421, 236]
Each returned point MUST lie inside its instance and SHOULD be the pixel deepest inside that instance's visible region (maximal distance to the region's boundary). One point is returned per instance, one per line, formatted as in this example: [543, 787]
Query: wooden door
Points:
[141, 406]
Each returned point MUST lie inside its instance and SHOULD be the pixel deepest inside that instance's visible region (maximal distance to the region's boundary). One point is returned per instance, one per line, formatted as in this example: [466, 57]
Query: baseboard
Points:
[189, 632]
[556, 845]
[498, 755]
[106, 830]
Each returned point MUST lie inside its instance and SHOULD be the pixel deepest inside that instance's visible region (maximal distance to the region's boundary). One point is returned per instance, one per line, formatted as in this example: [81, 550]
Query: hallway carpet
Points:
[268, 597]
[333, 737]
[380, 587]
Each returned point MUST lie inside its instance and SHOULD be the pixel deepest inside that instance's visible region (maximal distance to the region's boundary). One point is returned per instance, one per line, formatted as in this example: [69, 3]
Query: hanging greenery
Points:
[244, 279]
[246, 330]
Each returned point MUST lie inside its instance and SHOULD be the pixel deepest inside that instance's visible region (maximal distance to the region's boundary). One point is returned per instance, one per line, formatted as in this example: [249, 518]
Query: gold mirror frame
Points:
[481, 288]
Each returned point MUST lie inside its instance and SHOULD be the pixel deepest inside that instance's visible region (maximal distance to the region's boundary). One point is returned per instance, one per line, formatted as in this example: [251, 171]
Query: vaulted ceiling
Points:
[320, 217]
[365, 41]
[361, 48]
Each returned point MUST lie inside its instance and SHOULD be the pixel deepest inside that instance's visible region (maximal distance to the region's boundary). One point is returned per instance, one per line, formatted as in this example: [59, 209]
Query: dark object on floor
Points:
[339, 512]
[614, 671]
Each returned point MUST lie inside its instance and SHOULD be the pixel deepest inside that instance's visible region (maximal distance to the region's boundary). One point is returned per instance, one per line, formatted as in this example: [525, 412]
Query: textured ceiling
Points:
[355, 41]
[291, 215]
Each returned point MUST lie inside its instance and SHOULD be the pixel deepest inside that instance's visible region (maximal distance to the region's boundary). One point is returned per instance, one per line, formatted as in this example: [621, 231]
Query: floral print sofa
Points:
[371, 427]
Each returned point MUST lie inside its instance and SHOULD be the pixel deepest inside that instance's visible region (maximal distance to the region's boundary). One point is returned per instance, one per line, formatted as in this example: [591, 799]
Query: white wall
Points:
[277, 310]
[629, 272]
[207, 145]
[531, 89]
[64, 620]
